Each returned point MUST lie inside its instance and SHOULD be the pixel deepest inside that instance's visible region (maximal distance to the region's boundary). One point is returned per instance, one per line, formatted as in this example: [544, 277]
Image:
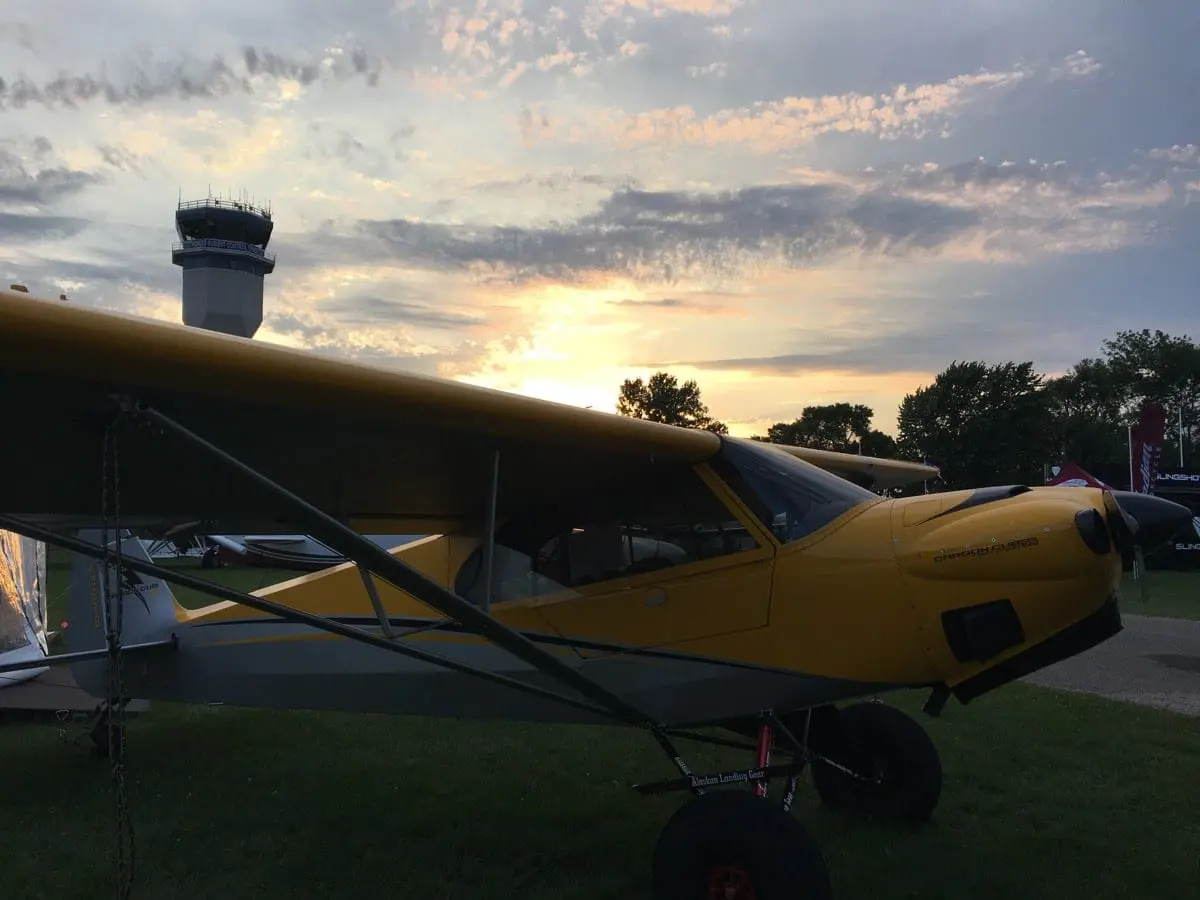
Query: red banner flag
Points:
[1145, 447]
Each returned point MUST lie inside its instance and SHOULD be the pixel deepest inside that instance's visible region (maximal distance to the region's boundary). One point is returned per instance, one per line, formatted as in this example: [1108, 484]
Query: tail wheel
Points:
[901, 773]
[733, 845]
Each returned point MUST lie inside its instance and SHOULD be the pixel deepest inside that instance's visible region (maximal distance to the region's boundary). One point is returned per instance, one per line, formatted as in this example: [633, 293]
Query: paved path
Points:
[1152, 661]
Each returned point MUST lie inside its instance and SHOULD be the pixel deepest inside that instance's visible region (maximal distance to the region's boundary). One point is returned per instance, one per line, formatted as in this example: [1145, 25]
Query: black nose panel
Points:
[978, 633]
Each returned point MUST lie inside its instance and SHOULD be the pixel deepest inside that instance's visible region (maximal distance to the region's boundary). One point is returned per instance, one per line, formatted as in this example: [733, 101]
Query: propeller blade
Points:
[1140, 522]
[1139, 574]
[1155, 518]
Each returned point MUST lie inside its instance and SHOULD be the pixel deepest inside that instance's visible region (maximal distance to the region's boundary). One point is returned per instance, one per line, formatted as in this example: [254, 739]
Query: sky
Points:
[791, 202]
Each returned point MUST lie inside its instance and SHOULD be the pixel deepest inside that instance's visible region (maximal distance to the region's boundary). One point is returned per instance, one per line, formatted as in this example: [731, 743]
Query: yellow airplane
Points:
[579, 567]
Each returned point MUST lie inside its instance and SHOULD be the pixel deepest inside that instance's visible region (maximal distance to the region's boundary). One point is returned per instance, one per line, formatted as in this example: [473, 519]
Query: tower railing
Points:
[220, 244]
[225, 204]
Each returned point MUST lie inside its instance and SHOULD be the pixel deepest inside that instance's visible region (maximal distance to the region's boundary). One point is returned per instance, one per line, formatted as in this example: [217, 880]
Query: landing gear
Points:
[211, 558]
[735, 845]
[895, 772]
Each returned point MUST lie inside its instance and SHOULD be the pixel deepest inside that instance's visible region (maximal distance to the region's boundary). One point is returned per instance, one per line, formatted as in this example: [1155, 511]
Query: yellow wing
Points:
[385, 450]
[870, 471]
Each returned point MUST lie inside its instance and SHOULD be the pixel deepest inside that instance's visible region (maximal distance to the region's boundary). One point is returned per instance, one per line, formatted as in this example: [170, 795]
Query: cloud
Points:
[1187, 154]
[376, 311]
[18, 33]
[187, 79]
[1077, 65]
[766, 126]
[1003, 211]
[554, 182]
[660, 303]
[18, 227]
[675, 310]
[1031, 208]
[45, 184]
[918, 340]
[771, 125]
[715, 69]
[666, 235]
[710, 8]
[120, 159]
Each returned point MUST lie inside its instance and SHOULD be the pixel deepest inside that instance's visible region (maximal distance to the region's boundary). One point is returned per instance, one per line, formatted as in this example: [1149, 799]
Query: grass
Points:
[1168, 593]
[242, 578]
[1047, 795]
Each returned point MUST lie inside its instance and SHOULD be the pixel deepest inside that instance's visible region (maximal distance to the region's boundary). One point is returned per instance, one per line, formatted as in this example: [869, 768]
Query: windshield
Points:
[791, 497]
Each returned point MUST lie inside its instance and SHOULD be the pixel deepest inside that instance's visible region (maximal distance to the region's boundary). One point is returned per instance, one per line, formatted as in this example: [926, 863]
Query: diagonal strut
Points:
[374, 558]
[289, 614]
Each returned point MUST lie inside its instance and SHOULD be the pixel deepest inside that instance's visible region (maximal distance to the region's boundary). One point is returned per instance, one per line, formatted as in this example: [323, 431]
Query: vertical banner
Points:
[1145, 447]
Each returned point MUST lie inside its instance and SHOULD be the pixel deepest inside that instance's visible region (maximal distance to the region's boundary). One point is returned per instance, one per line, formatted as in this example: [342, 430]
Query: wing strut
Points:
[374, 559]
[385, 624]
[489, 547]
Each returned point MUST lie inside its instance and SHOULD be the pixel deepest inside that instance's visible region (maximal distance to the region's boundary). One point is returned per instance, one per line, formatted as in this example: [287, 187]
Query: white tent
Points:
[22, 605]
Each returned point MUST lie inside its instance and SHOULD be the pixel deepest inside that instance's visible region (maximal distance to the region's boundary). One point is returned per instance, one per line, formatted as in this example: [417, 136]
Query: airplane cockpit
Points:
[670, 520]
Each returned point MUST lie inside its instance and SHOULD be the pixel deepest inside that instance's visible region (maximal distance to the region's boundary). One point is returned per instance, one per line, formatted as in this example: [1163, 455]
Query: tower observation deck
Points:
[222, 250]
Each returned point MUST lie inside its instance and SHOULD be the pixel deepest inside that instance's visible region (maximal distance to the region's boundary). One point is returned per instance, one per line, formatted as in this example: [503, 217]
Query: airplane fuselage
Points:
[766, 599]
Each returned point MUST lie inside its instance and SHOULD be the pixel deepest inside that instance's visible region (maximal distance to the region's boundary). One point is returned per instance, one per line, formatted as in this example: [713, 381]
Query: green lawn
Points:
[1047, 795]
[1167, 593]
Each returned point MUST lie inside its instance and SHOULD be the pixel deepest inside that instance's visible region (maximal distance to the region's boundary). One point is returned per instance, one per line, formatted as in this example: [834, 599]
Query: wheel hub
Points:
[730, 883]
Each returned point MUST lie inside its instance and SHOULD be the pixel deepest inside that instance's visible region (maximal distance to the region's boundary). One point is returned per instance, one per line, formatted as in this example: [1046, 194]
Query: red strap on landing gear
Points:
[765, 739]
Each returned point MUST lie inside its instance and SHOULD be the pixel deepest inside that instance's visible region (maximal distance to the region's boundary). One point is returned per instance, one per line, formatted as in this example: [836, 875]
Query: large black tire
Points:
[895, 753]
[744, 843]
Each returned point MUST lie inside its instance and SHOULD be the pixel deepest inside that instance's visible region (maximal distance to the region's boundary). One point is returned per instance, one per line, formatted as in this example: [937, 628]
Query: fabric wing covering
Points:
[383, 450]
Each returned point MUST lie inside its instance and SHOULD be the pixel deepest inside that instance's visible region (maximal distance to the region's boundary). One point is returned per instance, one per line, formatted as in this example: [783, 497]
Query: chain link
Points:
[115, 700]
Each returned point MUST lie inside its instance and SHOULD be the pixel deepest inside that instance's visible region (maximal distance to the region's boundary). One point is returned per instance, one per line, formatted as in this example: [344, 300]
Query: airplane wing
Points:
[386, 451]
[872, 472]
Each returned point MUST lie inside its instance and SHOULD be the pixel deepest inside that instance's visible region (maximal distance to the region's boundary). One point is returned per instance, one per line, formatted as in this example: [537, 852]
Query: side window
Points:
[658, 523]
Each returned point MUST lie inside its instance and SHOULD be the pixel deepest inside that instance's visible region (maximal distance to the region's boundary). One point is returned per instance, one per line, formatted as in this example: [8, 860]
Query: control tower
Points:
[222, 250]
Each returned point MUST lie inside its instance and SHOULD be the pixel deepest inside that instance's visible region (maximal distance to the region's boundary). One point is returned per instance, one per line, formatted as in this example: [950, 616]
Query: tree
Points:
[840, 427]
[1154, 367]
[880, 444]
[1087, 404]
[980, 424]
[663, 399]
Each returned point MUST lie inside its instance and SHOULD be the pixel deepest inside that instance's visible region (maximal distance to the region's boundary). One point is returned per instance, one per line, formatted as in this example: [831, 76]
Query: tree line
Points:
[987, 423]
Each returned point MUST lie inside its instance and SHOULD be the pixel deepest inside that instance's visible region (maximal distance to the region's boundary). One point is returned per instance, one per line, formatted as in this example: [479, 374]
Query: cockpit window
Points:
[791, 497]
[669, 520]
